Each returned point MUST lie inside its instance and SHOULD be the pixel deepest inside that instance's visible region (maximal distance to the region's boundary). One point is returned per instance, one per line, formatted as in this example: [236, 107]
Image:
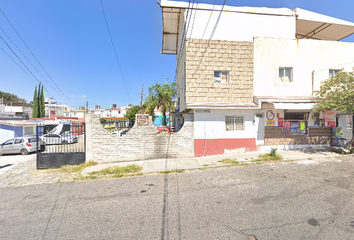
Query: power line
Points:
[182, 41]
[212, 11]
[15, 62]
[115, 52]
[26, 58]
[34, 57]
[195, 13]
[217, 21]
[24, 64]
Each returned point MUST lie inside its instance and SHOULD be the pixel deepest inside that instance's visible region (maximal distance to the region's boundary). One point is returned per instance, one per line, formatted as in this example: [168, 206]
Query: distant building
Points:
[113, 117]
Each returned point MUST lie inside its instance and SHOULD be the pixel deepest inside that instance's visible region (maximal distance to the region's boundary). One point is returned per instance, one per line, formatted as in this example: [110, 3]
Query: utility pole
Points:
[142, 95]
[86, 106]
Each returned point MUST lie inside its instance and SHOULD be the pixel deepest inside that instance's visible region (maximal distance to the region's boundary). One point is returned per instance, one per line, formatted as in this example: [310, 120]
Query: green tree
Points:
[35, 104]
[41, 103]
[162, 98]
[38, 103]
[337, 93]
[131, 112]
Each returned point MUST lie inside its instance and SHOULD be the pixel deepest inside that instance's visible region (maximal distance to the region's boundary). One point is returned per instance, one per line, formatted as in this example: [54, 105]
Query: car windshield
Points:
[8, 142]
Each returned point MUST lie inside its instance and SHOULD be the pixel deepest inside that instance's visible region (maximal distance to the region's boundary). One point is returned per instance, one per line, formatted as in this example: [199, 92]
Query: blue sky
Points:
[70, 40]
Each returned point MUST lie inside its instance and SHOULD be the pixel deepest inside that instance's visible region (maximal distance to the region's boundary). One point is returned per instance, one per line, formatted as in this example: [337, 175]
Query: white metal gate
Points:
[260, 129]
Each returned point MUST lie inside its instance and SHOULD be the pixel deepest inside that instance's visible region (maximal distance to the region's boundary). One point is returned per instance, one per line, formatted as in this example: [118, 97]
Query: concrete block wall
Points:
[316, 136]
[142, 142]
[203, 57]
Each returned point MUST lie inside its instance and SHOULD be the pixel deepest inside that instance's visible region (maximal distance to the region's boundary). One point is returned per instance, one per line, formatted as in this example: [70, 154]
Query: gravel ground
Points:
[18, 170]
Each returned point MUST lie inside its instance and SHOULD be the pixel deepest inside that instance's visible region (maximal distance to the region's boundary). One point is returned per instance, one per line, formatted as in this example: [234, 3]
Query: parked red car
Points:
[162, 129]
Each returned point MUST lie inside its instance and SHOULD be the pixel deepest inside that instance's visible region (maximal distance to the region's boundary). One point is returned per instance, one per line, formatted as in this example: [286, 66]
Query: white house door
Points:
[260, 129]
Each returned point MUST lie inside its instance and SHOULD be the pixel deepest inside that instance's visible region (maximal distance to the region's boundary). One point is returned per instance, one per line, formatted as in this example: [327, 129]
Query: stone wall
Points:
[142, 142]
[203, 57]
[316, 136]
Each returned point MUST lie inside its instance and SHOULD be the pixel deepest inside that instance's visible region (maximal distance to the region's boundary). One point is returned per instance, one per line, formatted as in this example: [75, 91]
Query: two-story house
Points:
[249, 74]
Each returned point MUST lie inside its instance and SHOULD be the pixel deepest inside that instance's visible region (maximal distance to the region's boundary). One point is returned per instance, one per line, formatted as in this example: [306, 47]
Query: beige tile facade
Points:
[203, 57]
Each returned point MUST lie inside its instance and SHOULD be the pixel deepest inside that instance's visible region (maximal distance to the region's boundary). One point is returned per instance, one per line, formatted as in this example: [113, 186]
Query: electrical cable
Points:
[195, 13]
[182, 42]
[15, 62]
[217, 21]
[25, 65]
[115, 52]
[63, 95]
[212, 11]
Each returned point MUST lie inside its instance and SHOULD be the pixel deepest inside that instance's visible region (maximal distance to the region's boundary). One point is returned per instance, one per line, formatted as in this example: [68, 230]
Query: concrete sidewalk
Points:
[158, 165]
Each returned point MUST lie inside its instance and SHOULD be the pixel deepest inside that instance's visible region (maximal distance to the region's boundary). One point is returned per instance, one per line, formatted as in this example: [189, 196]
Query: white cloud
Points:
[83, 96]
[72, 95]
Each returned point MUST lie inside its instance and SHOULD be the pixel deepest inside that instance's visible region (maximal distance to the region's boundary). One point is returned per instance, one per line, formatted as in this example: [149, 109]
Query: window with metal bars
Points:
[221, 78]
[286, 74]
[333, 72]
[234, 123]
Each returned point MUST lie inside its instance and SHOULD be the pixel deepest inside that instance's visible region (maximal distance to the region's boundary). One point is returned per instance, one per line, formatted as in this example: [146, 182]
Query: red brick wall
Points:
[316, 136]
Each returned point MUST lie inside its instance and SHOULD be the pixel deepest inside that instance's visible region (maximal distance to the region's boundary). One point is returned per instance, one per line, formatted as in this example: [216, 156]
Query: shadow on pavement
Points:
[319, 151]
[4, 166]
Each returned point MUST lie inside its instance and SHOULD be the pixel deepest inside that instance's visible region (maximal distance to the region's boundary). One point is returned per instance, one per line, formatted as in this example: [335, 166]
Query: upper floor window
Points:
[333, 72]
[286, 74]
[234, 123]
[221, 78]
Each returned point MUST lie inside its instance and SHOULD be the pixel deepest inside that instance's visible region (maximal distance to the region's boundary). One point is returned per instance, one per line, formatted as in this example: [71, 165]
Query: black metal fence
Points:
[118, 128]
[60, 145]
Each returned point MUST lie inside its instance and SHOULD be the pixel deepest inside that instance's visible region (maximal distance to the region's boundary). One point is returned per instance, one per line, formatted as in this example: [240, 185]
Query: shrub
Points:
[273, 152]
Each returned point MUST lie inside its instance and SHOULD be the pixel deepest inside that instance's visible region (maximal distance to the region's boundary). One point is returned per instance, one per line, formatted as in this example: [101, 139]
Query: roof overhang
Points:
[222, 106]
[311, 25]
[172, 10]
[294, 106]
[170, 18]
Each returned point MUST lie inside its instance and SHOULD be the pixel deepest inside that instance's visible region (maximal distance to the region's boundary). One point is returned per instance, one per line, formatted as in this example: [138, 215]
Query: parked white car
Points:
[63, 138]
[23, 145]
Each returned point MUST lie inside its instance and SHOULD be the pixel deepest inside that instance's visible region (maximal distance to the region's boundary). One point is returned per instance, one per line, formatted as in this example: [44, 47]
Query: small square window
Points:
[29, 131]
[333, 72]
[233, 123]
[286, 74]
[221, 78]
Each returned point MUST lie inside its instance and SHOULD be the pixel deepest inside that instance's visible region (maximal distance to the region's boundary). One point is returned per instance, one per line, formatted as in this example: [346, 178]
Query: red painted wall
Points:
[218, 146]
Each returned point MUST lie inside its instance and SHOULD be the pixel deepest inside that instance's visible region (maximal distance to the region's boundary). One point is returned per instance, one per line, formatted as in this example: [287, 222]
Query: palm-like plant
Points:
[161, 97]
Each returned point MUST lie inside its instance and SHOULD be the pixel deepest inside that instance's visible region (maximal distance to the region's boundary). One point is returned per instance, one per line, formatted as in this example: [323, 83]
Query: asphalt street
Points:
[310, 199]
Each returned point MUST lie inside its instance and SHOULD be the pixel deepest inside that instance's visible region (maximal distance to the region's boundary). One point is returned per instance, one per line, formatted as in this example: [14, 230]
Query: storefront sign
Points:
[331, 124]
[329, 116]
[142, 120]
[295, 127]
[270, 123]
[322, 122]
[202, 111]
[280, 122]
[286, 127]
[302, 127]
[270, 115]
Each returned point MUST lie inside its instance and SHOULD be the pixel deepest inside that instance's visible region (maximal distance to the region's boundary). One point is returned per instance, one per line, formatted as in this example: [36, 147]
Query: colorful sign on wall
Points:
[286, 127]
[270, 123]
[329, 116]
[302, 127]
[280, 122]
[331, 124]
[322, 122]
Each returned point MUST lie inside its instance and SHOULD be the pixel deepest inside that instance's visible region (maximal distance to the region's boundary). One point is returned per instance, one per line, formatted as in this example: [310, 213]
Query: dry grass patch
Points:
[116, 171]
[230, 161]
[270, 157]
